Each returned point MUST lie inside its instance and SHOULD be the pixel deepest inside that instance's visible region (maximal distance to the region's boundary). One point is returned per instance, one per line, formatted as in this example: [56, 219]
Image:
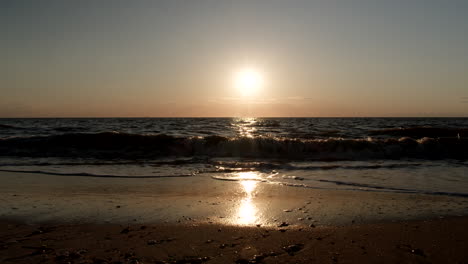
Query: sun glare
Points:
[248, 81]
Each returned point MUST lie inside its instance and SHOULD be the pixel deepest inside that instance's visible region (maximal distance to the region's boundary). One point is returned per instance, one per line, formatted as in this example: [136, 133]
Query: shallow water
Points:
[441, 177]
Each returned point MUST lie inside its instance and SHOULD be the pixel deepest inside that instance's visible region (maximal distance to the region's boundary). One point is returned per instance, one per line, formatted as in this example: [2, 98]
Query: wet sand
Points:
[436, 241]
[54, 219]
[35, 198]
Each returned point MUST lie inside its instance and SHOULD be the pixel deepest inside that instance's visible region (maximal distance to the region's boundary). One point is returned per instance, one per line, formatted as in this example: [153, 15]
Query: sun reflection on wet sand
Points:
[247, 213]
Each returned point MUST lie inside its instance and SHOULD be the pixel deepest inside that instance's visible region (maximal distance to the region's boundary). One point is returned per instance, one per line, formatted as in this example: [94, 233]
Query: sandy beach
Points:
[54, 219]
[436, 241]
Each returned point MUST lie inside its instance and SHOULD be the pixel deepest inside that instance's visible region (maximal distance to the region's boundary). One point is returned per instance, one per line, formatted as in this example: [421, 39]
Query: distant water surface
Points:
[303, 128]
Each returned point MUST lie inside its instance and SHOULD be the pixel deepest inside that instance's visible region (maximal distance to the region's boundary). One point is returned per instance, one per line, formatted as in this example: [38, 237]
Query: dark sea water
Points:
[411, 155]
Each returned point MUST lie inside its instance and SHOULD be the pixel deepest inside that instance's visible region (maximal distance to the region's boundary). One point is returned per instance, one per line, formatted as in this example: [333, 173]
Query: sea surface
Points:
[404, 155]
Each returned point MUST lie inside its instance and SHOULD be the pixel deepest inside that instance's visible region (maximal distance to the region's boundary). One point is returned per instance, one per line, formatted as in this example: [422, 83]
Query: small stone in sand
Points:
[152, 242]
[257, 259]
[418, 251]
[291, 249]
[242, 261]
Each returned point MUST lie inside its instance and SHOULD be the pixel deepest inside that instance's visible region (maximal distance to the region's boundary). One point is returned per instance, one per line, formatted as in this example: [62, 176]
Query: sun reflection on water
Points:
[245, 127]
[248, 213]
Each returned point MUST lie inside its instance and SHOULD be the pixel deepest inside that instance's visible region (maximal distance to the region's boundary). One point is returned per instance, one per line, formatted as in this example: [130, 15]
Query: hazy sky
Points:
[178, 58]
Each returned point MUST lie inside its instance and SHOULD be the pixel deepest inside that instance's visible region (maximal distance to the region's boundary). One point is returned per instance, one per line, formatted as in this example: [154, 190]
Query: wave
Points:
[402, 190]
[370, 188]
[5, 126]
[114, 145]
[267, 123]
[92, 162]
[422, 131]
[69, 129]
[353, 186]
[223, 166]
[85, 174]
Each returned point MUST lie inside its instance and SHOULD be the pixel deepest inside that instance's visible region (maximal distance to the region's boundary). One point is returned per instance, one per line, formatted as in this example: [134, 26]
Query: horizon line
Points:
[123, 117]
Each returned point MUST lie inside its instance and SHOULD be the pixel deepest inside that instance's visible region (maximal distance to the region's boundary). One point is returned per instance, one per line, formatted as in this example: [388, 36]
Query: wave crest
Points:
[422, 131]
[123, 145]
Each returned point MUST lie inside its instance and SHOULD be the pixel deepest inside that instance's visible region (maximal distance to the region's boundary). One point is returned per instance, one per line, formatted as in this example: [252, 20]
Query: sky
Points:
[174, 58]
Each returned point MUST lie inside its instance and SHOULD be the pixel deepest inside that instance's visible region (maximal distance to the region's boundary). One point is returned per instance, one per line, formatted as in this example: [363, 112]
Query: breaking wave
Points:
[132, 146]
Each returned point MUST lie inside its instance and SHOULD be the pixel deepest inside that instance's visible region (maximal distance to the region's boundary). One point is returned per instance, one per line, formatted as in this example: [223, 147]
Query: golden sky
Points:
[183, 58]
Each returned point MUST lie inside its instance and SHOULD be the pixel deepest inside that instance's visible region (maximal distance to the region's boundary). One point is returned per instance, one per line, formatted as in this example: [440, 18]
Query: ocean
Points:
[397, 155]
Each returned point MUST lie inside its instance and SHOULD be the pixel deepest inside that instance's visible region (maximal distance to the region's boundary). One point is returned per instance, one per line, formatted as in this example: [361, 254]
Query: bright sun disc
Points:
[248, 81]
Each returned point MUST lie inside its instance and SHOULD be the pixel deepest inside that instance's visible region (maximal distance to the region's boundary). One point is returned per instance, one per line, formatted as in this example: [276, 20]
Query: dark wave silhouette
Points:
[115, 145]
[5, 126]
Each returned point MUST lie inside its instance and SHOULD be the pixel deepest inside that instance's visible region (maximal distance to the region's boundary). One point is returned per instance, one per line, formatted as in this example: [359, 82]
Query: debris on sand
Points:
[291, 249]
[415, 251]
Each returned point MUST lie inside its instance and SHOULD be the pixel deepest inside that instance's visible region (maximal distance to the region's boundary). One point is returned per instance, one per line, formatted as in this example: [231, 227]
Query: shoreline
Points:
[37, 199]
[434, 241]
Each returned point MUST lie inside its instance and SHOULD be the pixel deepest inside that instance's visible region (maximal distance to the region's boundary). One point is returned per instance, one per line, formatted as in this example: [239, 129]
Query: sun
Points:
[248, 81]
